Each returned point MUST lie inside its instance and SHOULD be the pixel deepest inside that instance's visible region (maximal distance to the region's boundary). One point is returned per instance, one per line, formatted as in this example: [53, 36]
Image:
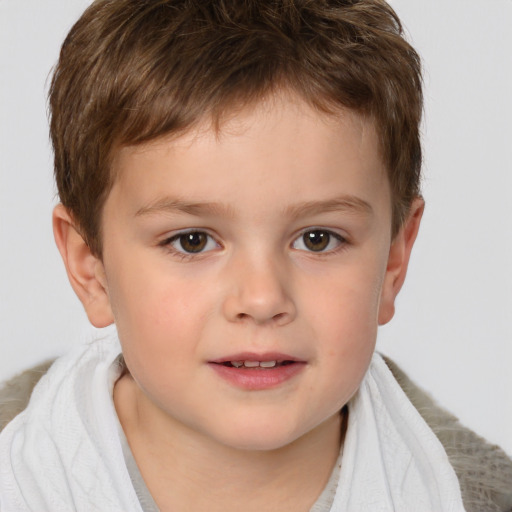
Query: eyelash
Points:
[186, 255]
[341, 241]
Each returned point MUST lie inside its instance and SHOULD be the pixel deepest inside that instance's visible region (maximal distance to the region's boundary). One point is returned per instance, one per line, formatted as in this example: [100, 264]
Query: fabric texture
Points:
[391, 458]
[15, 394]
[484, 471]
[63, 452]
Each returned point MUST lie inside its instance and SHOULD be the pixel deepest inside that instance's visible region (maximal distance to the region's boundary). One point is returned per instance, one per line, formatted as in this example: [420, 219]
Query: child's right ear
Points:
[85, 271]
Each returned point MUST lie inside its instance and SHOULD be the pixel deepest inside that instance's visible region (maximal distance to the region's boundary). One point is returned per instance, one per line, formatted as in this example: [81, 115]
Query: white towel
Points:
[63, 453]
[392, 461]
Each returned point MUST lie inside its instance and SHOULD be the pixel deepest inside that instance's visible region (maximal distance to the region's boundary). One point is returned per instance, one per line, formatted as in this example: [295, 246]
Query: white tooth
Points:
[251, 364]
[237, 364]
[268, 364]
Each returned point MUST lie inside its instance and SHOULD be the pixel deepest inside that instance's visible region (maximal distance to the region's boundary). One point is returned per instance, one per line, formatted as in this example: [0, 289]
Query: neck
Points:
[184, 470]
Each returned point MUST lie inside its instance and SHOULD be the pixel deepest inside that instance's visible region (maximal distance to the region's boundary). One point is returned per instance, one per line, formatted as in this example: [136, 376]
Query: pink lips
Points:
[241, 371]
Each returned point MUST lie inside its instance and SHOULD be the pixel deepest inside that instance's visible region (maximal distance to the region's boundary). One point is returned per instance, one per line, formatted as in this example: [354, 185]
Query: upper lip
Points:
[255, 356]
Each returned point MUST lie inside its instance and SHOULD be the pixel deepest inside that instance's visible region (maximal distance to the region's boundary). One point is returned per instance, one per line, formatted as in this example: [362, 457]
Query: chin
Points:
[259, 437]
[266, 444]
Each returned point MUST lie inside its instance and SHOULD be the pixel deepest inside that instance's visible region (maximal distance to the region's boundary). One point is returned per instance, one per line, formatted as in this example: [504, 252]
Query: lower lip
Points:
[258, 378]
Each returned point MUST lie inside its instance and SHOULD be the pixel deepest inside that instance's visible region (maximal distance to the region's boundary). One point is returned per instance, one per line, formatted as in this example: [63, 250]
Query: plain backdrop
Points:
[453, 328]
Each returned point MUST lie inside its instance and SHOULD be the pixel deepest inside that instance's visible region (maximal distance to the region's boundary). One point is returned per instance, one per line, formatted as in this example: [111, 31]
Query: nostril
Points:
[261, 309]
[279, 317]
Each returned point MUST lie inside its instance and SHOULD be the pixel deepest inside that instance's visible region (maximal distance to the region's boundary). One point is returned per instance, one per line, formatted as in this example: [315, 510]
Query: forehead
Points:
[280, 147]
[236, 118]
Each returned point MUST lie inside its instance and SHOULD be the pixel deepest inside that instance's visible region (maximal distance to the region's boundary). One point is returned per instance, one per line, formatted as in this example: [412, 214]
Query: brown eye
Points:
[193, 242]
[316, 240]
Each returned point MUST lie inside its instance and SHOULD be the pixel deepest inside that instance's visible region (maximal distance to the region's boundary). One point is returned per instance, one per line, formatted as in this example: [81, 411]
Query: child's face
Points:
[290, 215]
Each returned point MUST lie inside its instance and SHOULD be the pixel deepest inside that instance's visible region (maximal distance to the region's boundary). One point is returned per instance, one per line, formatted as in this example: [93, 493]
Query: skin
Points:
[276, 171]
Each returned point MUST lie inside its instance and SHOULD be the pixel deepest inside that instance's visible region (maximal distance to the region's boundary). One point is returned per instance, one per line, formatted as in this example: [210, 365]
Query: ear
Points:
[85, 271]
[398, 261]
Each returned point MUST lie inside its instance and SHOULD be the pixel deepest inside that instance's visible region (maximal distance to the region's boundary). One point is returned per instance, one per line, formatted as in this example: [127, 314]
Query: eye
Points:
[192, 242]
[318, 240]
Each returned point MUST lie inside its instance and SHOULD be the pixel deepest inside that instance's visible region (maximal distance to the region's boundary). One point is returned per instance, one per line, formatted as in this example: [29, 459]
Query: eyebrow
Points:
[172, 205]
[347, 203]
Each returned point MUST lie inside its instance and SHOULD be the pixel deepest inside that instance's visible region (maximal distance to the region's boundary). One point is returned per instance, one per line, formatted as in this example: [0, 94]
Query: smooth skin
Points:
[290, 252]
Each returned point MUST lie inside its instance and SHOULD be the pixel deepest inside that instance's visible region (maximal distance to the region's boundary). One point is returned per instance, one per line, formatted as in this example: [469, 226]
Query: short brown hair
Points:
[134, 70]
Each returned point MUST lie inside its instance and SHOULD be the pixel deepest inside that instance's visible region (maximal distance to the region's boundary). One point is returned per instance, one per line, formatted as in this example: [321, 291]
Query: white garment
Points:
[392, 461]
[63, 453]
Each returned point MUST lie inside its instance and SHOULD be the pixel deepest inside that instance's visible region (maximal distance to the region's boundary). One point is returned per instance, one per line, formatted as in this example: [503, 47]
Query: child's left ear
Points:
[398, 261]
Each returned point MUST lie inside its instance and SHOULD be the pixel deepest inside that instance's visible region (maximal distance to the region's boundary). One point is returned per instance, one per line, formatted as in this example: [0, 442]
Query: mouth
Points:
[257, 371]
[265, 365]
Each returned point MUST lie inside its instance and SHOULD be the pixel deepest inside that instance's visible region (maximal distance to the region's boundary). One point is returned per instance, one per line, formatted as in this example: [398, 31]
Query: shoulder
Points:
[484, 470]
[15, 393]
[80, 364]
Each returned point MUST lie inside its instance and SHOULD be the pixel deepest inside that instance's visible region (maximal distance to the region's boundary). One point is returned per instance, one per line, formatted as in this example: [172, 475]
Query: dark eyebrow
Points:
[172, 205]
[349, 204]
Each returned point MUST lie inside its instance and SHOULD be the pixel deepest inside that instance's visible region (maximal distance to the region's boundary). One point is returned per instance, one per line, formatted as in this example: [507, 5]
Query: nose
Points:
[259, 292]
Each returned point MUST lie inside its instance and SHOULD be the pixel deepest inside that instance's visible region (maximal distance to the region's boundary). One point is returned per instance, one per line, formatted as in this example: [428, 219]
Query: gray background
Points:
[453, 328]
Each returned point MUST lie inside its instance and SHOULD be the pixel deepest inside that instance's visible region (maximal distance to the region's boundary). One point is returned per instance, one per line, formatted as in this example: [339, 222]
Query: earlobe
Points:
[398, 261]
[85, 271]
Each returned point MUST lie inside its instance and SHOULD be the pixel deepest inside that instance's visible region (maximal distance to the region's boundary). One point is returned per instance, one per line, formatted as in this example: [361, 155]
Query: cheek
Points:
[146, 292]
[158, 316]
[348, 299]
[159, 333]
[345, 318]
[351, 332]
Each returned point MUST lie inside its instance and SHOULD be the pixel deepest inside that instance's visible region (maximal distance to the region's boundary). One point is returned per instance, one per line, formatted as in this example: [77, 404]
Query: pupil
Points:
[193, 242]
[316, 240]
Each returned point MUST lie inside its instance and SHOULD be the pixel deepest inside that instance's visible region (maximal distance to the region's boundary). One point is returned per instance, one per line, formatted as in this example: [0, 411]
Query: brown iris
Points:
[193, 242]
[316, 240]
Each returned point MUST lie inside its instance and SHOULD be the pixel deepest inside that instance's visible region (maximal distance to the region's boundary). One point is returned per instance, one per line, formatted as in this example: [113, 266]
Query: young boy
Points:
[240, 196]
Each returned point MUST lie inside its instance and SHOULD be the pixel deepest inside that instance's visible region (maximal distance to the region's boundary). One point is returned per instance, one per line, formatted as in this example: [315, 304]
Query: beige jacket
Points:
[484, 471]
